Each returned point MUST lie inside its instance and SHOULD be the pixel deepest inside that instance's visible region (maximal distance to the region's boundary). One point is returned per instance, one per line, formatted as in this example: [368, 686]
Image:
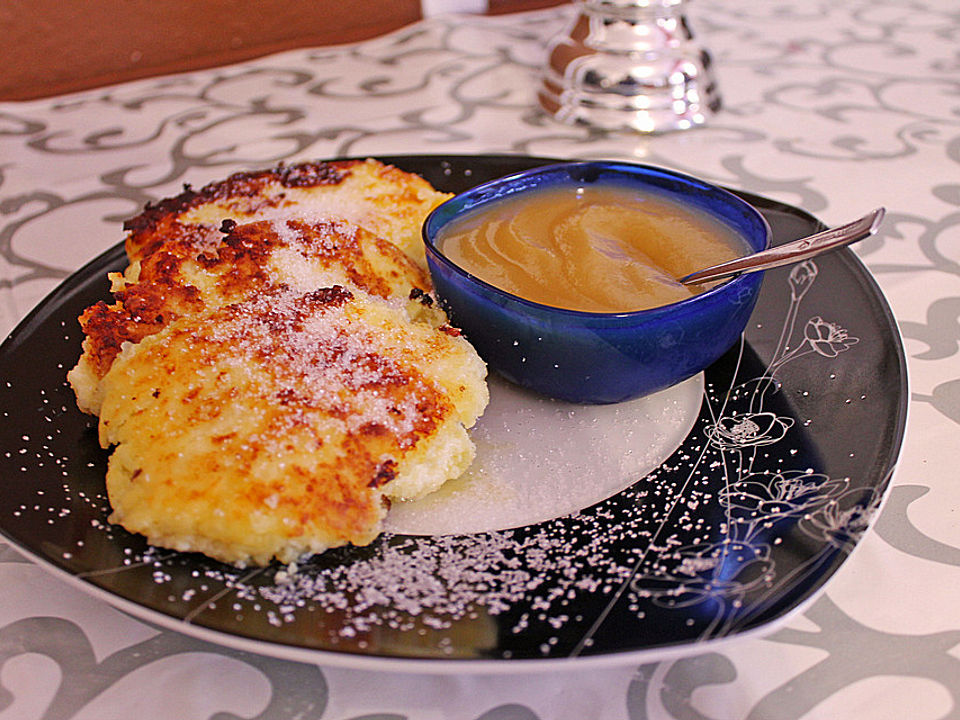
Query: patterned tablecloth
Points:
[832, 107]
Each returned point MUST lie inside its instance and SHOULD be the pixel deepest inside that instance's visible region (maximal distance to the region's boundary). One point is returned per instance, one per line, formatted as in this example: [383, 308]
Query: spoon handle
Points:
[791, 252]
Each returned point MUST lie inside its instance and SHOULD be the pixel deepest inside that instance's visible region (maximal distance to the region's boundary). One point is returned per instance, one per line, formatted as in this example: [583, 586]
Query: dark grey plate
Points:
[787, 464]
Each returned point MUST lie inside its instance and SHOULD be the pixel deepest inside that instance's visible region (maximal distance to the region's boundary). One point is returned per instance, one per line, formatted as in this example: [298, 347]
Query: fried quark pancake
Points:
[177, 280]
[385, 200]
[272, 370]
[278, 425]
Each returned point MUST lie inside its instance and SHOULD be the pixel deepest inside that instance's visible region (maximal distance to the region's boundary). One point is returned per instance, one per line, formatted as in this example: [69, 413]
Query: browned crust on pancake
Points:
[239, 263]
[310, 363]
[158, 224]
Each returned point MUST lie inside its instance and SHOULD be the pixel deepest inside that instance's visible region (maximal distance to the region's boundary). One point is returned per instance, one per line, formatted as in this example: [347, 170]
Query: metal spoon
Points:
[791, 252]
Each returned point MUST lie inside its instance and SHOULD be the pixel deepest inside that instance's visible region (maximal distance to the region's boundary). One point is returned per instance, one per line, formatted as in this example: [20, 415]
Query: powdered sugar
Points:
[322, 351]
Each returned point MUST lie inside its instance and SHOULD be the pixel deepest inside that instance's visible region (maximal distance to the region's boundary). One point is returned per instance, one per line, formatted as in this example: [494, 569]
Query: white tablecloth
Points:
[833, 107]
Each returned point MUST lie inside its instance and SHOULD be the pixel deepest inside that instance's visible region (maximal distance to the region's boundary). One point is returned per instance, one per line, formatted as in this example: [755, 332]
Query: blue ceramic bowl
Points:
[597, 357]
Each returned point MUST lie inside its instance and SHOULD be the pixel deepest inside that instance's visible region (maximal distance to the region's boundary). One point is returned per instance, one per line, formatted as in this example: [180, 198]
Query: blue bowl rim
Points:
[706, 296]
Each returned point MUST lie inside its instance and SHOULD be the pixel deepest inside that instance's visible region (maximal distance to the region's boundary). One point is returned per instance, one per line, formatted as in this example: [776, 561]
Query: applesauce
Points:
[598, 248]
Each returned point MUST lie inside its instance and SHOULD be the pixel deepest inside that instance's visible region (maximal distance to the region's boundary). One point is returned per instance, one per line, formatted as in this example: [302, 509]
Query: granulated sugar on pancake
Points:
[272, 369]
[248, 259]
[276, 426]
[175, 244]
[386, 201]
